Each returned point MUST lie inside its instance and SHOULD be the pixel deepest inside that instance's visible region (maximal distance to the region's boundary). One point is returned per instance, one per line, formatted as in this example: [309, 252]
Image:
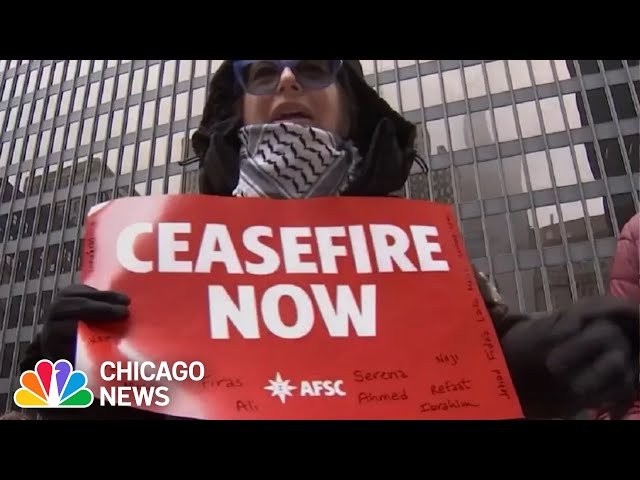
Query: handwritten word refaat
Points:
[246, 308]
[391, 245]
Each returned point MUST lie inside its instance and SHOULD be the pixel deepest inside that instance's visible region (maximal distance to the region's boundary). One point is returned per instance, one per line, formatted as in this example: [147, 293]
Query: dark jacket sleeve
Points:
[502, 319]
[59, 342]
[532, 385]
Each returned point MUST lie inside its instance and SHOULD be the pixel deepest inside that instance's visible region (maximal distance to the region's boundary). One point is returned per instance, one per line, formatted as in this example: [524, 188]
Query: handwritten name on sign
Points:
[333, 308]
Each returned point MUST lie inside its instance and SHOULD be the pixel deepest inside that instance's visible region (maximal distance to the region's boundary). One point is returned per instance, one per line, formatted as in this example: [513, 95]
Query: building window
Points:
[132, 118]
[101, 132]
[184, 70]
[169, 73]
[36, 263]
[7, 357]
[140, 189]
[24, 115]
[7, 267]
[65, 103]
[116, 124]
[78, 98]
[152, 77]
[67, 257]
[160, 153]
[123, 85]
[52, 260]
[43, 219]
[58, 216]
[13, 117]
[29, 309]
[3, 306]
[7, 89]
[79, 254]
[107, 90]
[144, 154]
[87, 131]
[138, 77]
[30, 151]
[73, 212]
[21, 269]
[175, 183]
[14, 311]
[15, 224]
[197, 102]
[72, 67]
[72, 135]
[105, 196]
[45, 140]
[89, 201]
[157, 186]
[164, 113]
[45, 301]
[148, 114]
[22, 351]
[180, 112]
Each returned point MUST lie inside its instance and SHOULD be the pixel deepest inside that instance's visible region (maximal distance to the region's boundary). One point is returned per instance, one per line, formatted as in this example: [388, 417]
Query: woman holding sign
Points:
[357, 145]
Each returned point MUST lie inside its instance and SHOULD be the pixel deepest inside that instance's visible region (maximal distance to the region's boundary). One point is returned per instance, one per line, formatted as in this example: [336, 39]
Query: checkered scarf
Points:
[286, 160]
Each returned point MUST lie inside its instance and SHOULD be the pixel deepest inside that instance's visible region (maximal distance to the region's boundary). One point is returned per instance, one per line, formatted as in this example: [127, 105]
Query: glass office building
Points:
[539, 158]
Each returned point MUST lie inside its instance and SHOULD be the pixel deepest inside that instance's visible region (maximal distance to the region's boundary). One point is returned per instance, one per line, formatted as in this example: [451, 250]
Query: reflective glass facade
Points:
[539, 158]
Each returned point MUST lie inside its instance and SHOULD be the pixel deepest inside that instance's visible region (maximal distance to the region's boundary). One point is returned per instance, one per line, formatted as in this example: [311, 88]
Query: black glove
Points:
[57, 340]
[585, 357]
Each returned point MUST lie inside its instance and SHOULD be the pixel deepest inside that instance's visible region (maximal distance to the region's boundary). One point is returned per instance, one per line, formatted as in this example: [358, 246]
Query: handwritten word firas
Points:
[322, 245]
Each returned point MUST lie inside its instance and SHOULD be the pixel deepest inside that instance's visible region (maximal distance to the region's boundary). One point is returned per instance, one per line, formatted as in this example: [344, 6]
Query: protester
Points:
[357, 145]
[625, 283]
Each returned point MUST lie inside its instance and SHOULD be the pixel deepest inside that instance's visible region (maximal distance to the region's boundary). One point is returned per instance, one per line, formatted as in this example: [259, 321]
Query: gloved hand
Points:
[57, 340]
[584, 357]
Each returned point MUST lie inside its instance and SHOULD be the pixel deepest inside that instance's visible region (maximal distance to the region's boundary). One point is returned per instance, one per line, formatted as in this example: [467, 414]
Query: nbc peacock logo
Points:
[53, 385]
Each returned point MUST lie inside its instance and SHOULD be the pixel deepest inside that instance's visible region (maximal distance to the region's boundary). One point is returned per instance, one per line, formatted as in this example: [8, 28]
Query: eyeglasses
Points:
[262, 77]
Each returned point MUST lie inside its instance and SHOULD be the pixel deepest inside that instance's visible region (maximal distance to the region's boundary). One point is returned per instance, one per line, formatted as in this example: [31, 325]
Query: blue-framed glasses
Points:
[262, 77]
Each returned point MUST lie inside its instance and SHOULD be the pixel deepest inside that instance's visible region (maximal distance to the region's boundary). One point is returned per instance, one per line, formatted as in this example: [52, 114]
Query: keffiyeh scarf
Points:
[286, 160]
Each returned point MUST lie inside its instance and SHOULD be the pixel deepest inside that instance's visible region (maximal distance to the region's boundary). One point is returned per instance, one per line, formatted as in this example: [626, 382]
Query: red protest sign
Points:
[329, 308]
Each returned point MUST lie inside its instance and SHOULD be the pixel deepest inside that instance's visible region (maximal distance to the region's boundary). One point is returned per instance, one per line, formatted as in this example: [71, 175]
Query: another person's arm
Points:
[561, 363]
[625, 283]
[625, 271]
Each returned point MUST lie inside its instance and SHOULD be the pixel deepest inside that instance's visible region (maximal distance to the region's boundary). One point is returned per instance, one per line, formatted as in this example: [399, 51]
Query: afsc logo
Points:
[282, 388]
[53, 386]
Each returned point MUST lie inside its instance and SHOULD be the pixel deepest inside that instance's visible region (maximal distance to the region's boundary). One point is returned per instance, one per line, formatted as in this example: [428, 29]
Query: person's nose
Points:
[288, 82]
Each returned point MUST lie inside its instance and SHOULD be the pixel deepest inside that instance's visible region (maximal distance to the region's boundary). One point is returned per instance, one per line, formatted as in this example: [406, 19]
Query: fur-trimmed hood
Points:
[383, 137]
